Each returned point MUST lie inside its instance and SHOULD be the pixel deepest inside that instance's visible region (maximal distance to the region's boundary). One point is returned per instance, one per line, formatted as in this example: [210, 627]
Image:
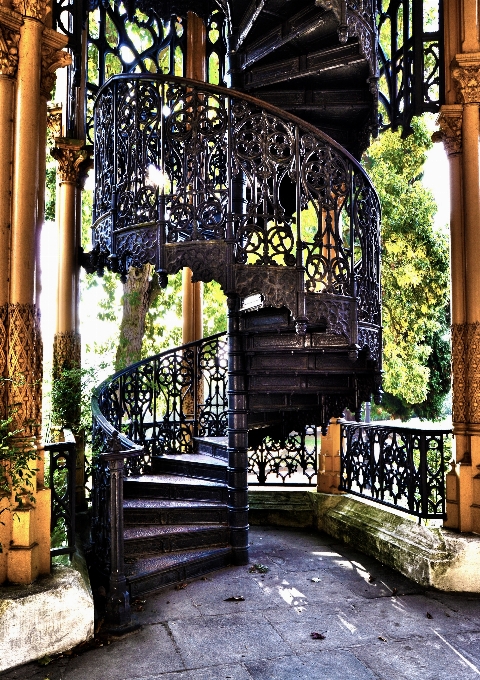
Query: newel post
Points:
[237, 439]
[118, 614]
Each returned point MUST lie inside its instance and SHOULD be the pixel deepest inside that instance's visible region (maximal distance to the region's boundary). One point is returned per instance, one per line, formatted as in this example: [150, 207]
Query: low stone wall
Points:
[429, 556]
[51, 615]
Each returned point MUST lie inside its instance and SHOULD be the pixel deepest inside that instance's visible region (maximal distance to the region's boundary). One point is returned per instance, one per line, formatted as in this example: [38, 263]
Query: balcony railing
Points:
[401, 467]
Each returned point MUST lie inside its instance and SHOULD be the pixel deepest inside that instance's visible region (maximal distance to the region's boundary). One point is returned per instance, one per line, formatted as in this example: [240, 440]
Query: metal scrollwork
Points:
[400, 467]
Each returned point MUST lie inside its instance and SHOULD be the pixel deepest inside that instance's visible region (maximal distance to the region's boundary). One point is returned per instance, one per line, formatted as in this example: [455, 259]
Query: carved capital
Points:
[70, 157]
[466, 76]
[52, 59]
[450, 133]
[35, 9]
[8, 51]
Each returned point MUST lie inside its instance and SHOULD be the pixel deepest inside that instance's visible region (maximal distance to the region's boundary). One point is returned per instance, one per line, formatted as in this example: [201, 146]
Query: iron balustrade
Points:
[163, 402]
[400, 467]
[191, 174]
[62, 478]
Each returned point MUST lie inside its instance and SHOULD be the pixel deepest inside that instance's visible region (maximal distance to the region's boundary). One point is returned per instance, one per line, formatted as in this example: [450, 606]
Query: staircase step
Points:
[174, 487]
[335, 58]
[216, 447]
[166, 539]
[197, 465]
[166, 512]
[149, 574]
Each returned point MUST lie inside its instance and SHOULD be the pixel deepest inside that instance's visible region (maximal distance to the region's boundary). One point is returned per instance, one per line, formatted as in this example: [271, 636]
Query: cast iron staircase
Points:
[286, 221]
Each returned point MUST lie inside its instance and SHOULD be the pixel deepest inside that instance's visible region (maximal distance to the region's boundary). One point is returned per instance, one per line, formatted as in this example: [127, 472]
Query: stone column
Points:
[192, 293]
[466, 303]
[450, 133]
[28, 550]
[70, 156]
[9, 37]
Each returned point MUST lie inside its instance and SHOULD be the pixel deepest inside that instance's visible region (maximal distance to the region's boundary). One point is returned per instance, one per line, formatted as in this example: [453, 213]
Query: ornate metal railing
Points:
[62, 477]
[190, 174]
[163, 402]
[401, 467]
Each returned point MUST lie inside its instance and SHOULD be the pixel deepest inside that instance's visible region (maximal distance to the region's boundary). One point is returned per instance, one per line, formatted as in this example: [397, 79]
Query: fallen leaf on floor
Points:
[372, 579]
[315, 579]
[429, 616]
[394, 591]
[317, 636]
[204, 578]
[235, 598]
[258, 569]
[45, 660]
[380, 637]
[181, 586]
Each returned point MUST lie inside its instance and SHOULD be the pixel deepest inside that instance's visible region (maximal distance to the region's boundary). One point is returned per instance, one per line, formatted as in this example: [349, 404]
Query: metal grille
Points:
[411, 60]
[166, 400]
[168, 153]
[399, 467]
[62, 471]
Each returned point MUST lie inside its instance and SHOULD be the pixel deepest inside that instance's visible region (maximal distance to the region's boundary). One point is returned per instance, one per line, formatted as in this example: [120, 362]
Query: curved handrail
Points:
[189, 359]
[274, 205]
[218, 89]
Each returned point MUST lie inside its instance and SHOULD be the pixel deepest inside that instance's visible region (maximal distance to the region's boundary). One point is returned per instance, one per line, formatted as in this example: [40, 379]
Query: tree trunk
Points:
[139, 291]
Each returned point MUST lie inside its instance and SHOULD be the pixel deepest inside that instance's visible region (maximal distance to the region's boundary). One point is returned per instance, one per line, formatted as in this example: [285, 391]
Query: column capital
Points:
[450, 133]
[53, 58]
[466, 76]
[10, 23]
[34, 9]
[70, 156]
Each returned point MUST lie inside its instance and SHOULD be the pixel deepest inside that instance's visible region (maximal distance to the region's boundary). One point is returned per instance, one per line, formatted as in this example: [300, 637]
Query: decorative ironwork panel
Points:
[400, 467]
[192, 163]
[216, 52]
[291, 460]
[196, 147]
[165, 401]
[411, 60]
[126, 39]
[263, 155]
[62, 471]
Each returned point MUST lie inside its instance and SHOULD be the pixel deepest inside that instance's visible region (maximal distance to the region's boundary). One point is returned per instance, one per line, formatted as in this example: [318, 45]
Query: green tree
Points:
[415, 278]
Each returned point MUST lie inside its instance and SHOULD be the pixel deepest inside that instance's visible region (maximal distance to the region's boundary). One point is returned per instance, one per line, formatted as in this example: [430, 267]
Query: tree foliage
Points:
[415, 278]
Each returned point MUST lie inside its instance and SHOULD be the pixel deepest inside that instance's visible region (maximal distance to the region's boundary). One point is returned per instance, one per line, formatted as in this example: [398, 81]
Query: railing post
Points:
[237, 440]
[329, 466]
[118, 614]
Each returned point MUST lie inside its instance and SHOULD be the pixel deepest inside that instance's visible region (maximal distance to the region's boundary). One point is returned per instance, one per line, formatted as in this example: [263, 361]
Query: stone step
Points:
[149, 574]
[155, 539]
[174, 487]
[199, 466]
[158, 511]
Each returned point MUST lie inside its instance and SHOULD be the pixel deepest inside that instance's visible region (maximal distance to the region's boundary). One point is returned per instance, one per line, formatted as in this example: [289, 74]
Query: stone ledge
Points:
[52, 615]
[432, 557]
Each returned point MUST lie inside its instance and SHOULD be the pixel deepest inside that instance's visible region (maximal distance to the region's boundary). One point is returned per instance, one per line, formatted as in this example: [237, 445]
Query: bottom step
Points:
[149, 574]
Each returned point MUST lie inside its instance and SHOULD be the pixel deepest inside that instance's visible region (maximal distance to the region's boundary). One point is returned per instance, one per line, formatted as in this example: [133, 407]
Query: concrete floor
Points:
[374, 624]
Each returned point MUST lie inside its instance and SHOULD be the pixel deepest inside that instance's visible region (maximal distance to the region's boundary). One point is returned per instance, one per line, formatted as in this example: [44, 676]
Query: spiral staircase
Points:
[271, 203]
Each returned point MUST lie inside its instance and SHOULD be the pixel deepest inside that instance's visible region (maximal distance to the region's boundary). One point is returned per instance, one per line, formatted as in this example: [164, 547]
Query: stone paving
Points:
[369, 623]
